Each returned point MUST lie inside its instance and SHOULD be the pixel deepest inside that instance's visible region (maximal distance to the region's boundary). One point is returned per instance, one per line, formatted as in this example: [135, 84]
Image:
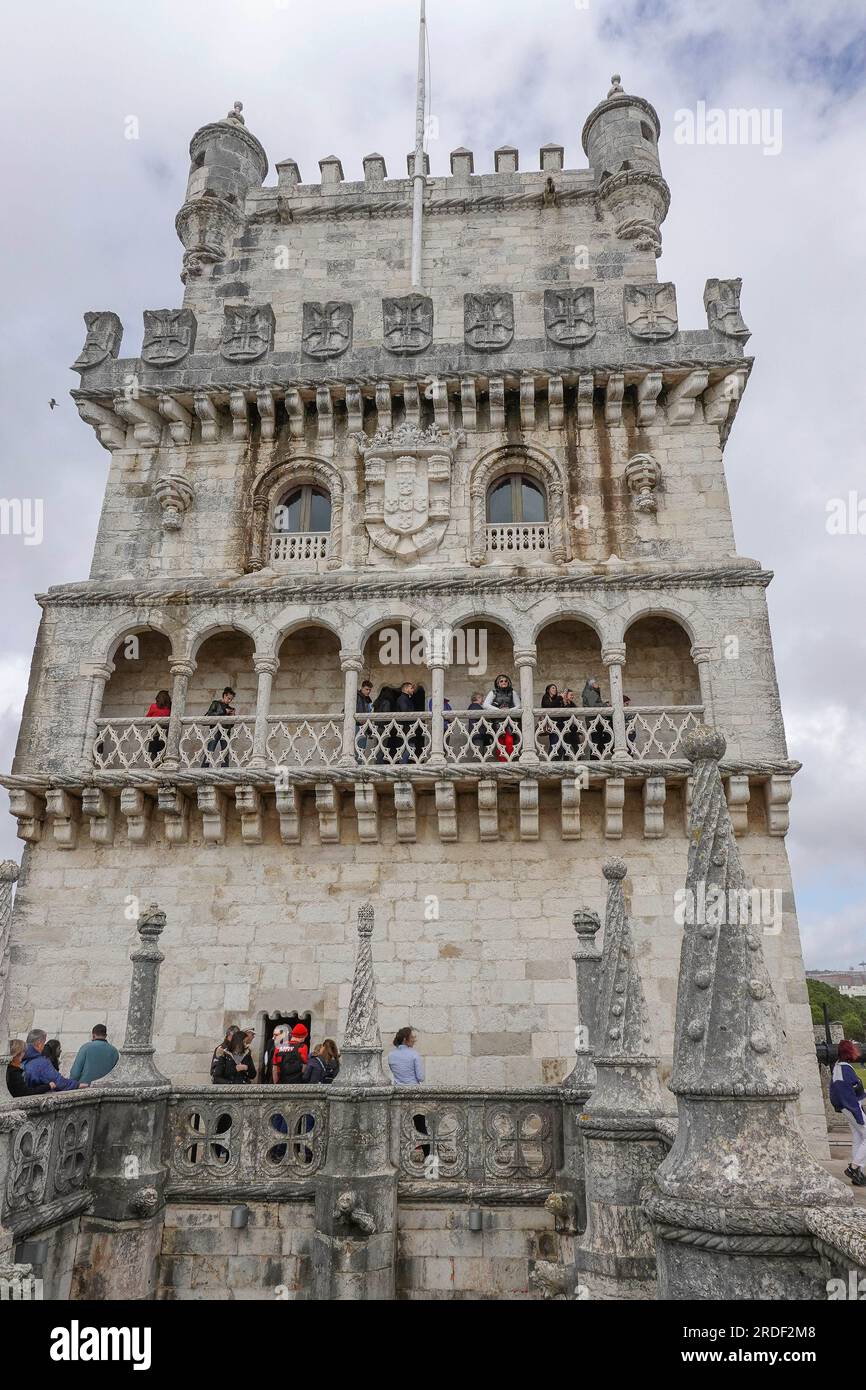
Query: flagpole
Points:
[418, 180]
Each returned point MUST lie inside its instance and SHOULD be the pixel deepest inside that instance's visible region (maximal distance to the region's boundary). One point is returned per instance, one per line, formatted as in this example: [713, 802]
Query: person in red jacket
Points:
[160, 709]
[291, 1058]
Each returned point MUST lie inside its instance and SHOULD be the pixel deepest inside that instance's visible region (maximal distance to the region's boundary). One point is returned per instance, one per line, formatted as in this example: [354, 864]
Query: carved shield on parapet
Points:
[569, 316]
[407, 497]
[722, 303]
[327, 330]
[408, 323]
[651, 311]
[104, 332]
[488, 321]
[169, 335]
[248, 332]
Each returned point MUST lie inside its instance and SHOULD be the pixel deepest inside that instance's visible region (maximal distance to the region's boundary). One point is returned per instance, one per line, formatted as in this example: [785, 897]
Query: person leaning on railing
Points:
[160, 709]
[363, 705]
[220, 739]
[600, 736]
[504, 699]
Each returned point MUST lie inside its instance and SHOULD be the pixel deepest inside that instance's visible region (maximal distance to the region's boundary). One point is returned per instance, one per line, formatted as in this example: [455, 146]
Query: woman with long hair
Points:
[846, 1096]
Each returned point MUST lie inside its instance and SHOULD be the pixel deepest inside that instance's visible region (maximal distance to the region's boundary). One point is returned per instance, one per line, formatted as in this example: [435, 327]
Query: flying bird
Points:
[52, 403]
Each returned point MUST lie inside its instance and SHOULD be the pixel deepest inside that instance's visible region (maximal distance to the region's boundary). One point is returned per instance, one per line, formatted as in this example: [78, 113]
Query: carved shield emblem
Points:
[651, 311]
[407, 476]
[569, 316]
[408, 323]
[248, 332]
[488, 321]
[169, 334]
[327, 330]
[722, 303]
[104, 332]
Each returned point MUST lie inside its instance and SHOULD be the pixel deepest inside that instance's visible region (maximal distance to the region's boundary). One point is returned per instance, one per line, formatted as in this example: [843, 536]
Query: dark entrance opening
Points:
[269, 1023]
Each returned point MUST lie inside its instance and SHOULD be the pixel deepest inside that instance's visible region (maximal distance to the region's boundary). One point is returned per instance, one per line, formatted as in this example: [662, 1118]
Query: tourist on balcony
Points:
[406, 705]
[600, 736]
[322, 1068]
[551, 699]
[290, 1059]
[386, 703]
[503, 697]
[160, 709]
[481, 739]
[363, 705]
[232, 1063]
[94, 1059]
[39, 1070]
[846, 1096]
[407, 1065]
[220, 739]
[630, 728]
[571, 738]
[16, 1081]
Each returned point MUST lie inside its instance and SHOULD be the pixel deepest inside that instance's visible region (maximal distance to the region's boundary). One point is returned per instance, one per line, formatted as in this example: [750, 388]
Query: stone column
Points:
[136, 1066]
[355, 1243]
[614, 659]
[180, 672]
[525, 660]
[120, 1238]
[587, 962]
[266, 668]
[615, 1256]
[8, 879]
[702, 656]
[436, 666]
[351, 665]
[100, 674]
[730, 1204]
[260, 526]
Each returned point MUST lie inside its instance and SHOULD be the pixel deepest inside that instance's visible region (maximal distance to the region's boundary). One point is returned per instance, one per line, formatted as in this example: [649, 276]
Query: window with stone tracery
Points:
[516, 498]
[304, 509]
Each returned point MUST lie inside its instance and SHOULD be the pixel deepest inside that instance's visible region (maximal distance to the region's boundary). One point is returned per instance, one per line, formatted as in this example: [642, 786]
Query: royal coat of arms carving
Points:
[327, 329]
[407, 478]
[488, 321]
[722, 303]
[248, 332]
[104, 332]
[408, 323]
[651, 311]
[169, 336]
[569, 316]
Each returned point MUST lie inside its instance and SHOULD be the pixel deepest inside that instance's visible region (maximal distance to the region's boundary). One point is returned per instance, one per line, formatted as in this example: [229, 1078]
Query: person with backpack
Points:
[290, 1060]
[846, 1095]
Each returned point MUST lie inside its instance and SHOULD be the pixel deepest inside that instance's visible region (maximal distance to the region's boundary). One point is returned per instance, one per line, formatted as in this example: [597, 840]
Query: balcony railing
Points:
[294, 547]
[216, 742]
[518, 538]
[653, 733]
[129, 743]
[313, 741]
[578, 735]
[488, 737]
[393, 739]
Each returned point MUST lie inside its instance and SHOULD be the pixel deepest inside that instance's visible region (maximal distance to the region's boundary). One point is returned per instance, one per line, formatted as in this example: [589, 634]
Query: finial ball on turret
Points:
[614, 869]
[704, 743]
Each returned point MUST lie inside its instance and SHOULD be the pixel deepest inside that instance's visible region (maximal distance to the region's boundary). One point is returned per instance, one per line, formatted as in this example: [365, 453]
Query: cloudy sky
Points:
[89, 223]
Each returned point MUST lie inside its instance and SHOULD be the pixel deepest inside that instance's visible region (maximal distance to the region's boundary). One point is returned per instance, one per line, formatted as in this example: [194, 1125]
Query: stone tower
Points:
[320, 473]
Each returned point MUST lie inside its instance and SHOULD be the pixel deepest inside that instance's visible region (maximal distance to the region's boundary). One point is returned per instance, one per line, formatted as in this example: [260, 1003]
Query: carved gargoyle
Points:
[349, 1212]
[550, 1279]
[564, 1209]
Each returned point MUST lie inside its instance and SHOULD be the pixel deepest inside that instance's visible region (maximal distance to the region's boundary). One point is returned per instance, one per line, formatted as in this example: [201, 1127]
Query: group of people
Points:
[287, 1060]
[33, 1068]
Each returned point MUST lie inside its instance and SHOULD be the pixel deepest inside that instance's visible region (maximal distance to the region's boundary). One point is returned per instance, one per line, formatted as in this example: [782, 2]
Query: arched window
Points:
[516, 498]
[304, 509]
[302, 525]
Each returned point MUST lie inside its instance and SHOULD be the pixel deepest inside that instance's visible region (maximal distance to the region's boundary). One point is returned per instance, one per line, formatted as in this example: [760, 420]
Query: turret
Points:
[227, 161]
[620, 138]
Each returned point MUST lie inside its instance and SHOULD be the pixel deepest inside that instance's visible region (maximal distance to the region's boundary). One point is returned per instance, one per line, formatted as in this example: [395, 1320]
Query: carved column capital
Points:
[266, 665]
[98, 670]
[613, 655]
[182, 668]
[351, 661]
[701, 652]
[525, 656]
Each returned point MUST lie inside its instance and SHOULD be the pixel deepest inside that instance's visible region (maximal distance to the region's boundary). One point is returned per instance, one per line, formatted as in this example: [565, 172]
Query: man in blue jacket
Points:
[96, 1058]
[38, 1071]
